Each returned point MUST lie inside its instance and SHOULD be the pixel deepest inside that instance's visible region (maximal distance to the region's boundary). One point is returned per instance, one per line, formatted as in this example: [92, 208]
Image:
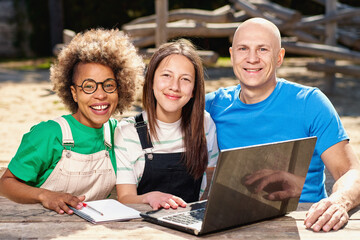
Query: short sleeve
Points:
[209, 98]
[323, 121]
[39, 151]
[211, 139]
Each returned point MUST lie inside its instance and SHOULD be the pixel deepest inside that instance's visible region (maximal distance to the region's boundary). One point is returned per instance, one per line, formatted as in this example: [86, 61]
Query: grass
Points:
[223, 62]
[27, 64]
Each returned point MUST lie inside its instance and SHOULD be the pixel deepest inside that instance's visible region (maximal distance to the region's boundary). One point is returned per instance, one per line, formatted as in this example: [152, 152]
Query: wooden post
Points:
[161, 10]
[330, 31]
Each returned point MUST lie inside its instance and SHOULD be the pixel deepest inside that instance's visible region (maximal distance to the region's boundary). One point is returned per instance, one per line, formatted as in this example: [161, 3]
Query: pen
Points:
[87, 205]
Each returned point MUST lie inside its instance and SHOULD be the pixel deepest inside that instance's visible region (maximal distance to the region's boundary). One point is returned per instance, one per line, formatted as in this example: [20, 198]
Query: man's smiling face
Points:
[256, 54]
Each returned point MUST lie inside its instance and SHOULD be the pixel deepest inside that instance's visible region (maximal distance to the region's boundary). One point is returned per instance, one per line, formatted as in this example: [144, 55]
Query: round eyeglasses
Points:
[89, 85]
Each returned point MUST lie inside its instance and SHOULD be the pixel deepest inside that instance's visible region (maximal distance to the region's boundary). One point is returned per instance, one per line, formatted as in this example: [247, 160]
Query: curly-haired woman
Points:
[64, 161]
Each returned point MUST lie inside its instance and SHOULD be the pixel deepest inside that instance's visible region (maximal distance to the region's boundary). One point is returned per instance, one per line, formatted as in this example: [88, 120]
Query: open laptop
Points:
[232, 201]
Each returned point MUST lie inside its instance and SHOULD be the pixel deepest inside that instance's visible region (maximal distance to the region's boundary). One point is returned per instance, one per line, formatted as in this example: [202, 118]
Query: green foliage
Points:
[223, 62]
[26, 63]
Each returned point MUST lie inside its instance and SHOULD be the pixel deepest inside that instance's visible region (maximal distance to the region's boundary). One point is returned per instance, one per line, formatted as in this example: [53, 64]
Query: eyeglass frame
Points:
[96, 84]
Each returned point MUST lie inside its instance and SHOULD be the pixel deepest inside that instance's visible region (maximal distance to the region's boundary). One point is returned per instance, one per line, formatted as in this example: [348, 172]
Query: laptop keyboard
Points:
[188, 218]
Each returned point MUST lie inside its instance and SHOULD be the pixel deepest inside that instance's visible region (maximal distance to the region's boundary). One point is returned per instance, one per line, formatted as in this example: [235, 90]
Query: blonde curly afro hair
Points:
[111, 48]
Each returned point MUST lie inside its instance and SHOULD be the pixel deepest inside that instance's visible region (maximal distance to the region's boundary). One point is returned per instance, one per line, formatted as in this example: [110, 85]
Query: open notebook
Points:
[231, 201]
[106, 210]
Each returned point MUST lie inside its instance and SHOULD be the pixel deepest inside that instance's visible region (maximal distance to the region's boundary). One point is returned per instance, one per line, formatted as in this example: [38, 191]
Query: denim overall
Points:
[164, 172]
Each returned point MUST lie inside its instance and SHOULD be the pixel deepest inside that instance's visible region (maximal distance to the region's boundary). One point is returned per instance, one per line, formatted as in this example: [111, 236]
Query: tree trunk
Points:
[56, 21]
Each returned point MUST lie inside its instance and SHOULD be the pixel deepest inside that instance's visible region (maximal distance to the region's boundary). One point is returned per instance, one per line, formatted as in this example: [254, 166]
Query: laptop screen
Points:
[246, 178]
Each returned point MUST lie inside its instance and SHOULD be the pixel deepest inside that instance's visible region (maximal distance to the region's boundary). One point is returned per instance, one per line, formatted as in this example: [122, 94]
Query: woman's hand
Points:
[163, 200]
[127, 194]
[16, 190]
[60, 202]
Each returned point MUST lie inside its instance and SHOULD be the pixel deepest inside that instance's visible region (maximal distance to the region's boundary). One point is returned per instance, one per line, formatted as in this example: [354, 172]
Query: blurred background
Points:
[31, 28]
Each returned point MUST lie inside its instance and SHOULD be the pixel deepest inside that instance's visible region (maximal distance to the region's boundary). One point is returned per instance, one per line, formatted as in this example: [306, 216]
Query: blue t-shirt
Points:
[291, 111]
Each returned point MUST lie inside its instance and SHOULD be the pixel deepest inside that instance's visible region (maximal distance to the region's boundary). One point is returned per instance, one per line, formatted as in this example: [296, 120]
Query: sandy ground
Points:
[27, 99]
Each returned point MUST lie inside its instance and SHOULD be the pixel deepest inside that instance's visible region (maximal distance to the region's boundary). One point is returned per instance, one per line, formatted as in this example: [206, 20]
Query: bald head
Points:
[270, 30]
[255, 54]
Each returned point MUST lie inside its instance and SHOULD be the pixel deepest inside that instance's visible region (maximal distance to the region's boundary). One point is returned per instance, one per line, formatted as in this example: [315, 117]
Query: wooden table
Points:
[32, 221]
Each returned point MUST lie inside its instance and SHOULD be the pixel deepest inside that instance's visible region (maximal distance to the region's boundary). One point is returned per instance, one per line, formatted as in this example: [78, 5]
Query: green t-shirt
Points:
[41, 148]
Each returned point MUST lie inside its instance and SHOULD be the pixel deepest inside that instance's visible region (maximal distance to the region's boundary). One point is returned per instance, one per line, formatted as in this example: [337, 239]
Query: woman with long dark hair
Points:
[163, 152]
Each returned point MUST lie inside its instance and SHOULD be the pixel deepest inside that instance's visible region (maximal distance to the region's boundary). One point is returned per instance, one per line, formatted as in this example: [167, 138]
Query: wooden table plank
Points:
[32, 221]
[290, 229]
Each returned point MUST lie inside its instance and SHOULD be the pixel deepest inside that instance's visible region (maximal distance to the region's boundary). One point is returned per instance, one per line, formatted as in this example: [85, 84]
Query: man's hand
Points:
[326, 215]
[279, 185]
[332, 212]
[60, 202]
[158, 200]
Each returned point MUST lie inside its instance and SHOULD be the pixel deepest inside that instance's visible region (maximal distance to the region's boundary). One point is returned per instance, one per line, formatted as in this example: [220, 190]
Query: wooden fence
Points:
[325, 35]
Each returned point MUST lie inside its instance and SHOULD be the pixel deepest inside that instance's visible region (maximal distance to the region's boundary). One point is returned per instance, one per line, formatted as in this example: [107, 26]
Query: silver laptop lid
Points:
[233, 201]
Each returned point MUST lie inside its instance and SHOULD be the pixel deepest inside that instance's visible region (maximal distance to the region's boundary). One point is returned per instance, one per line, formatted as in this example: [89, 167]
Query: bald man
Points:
[264, 109]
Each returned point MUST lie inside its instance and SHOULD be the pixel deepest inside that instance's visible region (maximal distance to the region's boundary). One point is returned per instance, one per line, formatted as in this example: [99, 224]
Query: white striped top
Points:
[130, 156]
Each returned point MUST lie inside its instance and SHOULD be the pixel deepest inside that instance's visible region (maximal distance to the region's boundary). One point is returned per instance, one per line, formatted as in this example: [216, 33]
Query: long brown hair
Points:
[192, 116]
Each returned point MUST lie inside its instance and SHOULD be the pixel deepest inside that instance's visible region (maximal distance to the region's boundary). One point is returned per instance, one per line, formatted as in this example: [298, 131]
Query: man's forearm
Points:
[346, 189]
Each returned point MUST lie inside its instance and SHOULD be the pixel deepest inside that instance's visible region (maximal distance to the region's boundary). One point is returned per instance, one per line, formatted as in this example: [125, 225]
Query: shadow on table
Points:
[277, 228]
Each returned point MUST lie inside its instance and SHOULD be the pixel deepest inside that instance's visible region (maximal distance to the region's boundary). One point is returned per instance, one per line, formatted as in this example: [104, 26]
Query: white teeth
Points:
[100, 107]
[252, 70]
